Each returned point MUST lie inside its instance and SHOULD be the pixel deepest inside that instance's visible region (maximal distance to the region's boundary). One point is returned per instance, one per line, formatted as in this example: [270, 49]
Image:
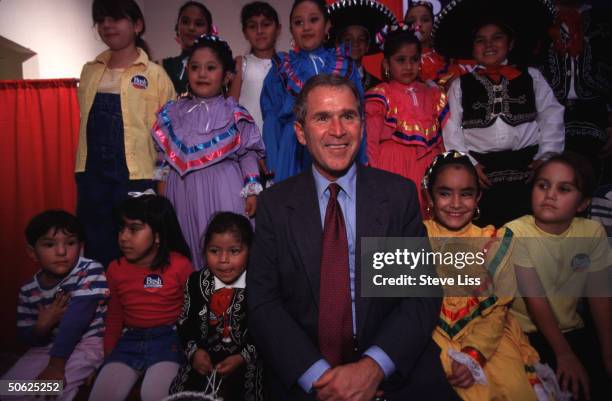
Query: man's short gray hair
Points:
[333, 81]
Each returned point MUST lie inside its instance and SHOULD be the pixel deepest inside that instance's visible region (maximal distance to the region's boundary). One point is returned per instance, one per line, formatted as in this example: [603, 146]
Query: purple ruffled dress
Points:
[212, 146]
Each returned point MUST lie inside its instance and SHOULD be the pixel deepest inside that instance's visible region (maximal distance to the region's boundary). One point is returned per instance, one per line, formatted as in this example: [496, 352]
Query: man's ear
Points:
[31, 253]
[299, 132]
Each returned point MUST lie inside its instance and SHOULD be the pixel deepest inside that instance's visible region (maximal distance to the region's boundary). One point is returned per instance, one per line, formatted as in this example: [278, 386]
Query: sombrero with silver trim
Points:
[370, 14]
[452, 33]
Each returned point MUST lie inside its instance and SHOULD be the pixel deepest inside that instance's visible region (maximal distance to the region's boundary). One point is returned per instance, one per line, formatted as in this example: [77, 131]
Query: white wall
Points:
[61, 34]
[161, 16]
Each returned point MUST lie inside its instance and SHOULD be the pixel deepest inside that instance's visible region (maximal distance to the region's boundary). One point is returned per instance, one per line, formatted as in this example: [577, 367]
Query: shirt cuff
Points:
[382, 359]
[313, 374]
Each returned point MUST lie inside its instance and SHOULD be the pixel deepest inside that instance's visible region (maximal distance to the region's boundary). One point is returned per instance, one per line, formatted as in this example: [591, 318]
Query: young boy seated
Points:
[60, 313]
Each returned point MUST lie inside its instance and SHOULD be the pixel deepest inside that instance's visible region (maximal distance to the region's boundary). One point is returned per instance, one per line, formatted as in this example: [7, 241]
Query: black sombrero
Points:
[370, 14]
[452, 33]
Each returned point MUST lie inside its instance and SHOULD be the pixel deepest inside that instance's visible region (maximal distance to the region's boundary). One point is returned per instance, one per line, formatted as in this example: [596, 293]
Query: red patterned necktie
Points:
[335, 312]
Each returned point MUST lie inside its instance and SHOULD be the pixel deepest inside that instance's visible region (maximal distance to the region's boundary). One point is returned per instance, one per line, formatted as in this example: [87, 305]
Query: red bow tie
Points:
[220, 300]
[495, 73]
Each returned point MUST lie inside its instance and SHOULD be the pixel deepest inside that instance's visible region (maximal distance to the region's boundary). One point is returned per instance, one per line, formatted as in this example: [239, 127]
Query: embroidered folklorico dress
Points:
[289, 72]
[212, 146]
[403, 123]
[481, 327]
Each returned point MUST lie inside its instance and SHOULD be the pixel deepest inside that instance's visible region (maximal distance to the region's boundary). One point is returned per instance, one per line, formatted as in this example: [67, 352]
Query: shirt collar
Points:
[105, 56]
[239, 283]
[348, 182]
[480, 66]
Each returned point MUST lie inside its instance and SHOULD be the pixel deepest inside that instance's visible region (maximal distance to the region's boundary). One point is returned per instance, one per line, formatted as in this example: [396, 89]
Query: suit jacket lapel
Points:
[372, 219]
[305, 229]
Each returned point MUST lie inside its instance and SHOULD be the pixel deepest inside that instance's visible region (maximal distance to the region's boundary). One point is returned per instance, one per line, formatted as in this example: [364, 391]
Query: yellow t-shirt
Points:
[562, 262]
[111, 81]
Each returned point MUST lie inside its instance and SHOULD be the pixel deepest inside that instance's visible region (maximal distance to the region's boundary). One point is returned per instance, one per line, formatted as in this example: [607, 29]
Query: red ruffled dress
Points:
[403, 125]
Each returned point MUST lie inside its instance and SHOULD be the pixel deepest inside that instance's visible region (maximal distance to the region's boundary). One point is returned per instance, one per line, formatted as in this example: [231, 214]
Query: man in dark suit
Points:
[292, 290]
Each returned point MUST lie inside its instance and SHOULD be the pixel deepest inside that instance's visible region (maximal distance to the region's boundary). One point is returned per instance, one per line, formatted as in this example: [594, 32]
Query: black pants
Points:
[585, 344]
[509, 196]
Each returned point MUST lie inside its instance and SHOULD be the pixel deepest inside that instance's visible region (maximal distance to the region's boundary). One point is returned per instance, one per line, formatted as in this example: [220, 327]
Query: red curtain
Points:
[39, 122]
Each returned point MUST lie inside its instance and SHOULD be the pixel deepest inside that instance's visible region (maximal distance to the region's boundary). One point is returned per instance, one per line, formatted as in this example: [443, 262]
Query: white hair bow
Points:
[136, 194]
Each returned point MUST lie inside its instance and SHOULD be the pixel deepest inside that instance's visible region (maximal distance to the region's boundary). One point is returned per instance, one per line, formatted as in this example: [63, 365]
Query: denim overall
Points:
[142, 348]
[105, 182]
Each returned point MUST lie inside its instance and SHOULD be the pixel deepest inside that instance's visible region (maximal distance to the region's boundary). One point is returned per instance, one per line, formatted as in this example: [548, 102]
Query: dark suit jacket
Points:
[283, 288]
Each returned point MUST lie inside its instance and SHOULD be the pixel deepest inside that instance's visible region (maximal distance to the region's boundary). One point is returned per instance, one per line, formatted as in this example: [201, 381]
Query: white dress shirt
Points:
[547, 131]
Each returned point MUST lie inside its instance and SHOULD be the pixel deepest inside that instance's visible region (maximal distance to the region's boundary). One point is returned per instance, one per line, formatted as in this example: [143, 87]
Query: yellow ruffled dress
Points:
[482, 323]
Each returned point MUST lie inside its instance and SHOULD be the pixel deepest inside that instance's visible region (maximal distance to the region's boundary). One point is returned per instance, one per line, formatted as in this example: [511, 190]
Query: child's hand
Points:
[201, 362]
[461, 376]
[52, 373]
[482, 177]
[251, 205]
[50, 315]
[55, 370]
[572, 376]
[229, 364]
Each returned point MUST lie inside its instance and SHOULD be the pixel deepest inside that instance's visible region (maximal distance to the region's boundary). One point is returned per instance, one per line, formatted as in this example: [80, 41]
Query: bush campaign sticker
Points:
[153, 281]
[140, 82]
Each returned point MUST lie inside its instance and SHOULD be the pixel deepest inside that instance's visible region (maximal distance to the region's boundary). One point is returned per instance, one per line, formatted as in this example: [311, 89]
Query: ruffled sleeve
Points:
[376, 109]
[250, 151]
[194, 134]
[271, 101]
[441, 107]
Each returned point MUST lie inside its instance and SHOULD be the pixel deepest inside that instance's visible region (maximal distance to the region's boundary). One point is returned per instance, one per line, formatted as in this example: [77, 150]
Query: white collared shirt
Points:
[239, 283]
[547, 130]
